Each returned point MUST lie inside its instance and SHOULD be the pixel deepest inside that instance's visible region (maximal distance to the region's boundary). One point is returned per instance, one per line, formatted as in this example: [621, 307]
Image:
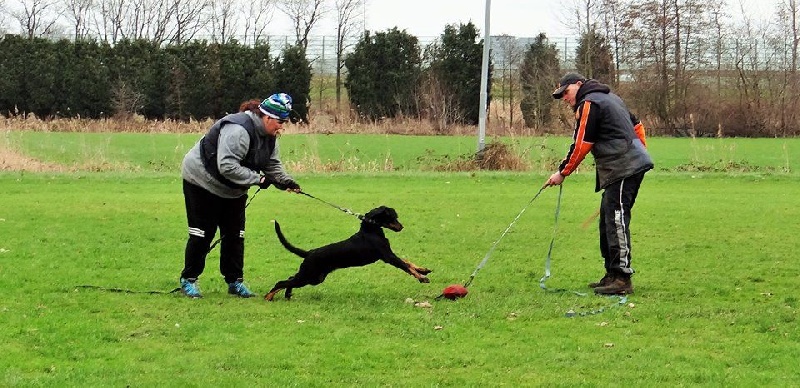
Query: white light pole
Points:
[484, 81]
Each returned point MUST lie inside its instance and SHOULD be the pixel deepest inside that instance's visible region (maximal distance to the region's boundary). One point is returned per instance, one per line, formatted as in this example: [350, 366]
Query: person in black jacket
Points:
[615, 137]
[239, 151]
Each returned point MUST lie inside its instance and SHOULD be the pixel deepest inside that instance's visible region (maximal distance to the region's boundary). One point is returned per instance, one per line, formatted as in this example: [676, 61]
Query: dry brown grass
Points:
[501, 156]
[134, 124]
[13, 161]
[324, 121]
[496, 156]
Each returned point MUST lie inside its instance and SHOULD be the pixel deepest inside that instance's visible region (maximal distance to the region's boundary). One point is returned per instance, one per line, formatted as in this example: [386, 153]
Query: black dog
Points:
[367, 246]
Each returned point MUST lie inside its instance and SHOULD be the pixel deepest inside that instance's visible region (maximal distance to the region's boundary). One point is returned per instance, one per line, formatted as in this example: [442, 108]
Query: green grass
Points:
[714, 249]
[163, 152]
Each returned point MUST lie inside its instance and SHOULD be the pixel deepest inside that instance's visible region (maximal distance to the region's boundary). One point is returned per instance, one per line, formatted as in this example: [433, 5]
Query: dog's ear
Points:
[382, 214]
[376, 212]
[371, 214]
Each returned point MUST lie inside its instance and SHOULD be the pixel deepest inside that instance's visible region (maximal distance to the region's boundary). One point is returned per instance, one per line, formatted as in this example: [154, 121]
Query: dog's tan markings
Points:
[271, 295]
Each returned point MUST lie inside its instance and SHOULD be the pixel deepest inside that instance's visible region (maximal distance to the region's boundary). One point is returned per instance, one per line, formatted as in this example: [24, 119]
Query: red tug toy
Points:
[454, 291]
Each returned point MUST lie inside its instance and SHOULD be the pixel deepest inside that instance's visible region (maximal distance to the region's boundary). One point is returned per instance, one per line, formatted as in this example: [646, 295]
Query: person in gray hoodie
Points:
[615, 137]
[239, 151]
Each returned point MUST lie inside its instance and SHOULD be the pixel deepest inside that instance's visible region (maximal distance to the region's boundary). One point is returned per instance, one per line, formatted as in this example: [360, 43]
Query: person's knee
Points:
[200, 237]
[234, 237]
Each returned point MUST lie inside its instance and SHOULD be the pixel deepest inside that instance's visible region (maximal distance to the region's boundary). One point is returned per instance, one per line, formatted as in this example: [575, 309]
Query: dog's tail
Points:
[286, 244]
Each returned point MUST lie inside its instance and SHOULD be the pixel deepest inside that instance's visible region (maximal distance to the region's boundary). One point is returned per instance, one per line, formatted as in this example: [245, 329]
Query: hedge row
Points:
[93, 80]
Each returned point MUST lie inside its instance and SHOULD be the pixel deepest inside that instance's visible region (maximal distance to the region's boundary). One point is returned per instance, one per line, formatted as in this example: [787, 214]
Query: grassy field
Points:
[157, 152]
[714, 249]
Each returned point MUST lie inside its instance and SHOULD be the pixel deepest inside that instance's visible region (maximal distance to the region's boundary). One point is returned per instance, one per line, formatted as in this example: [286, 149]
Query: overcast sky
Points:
[512, 17]
[427, 18]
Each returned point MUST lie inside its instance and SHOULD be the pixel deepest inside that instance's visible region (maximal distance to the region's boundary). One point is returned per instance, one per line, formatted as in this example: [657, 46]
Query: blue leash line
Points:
[122, 290]
[571, 313]
[550, 250]
[489, 253]
[622, 300]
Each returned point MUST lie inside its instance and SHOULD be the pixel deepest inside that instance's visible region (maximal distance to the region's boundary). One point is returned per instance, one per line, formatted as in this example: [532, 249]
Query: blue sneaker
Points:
[238, 288]
[190, 288]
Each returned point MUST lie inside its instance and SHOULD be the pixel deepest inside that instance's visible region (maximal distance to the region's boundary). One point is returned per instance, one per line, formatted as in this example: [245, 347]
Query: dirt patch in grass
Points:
[495, 156]
[14, 161]
[501, 156]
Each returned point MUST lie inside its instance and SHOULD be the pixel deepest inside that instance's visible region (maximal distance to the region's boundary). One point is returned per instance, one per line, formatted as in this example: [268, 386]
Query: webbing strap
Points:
[571, 313]
[550, 250]
[622, 300]
[124, 291]
[348, 211]
[489, 253]
[214, 244]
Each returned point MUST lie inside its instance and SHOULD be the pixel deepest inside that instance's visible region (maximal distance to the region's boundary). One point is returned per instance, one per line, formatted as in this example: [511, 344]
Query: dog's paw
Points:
[423, 270]
[423, 279]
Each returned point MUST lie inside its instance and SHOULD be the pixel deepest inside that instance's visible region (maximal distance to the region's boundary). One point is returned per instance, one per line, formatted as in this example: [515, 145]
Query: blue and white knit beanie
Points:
[278, 106]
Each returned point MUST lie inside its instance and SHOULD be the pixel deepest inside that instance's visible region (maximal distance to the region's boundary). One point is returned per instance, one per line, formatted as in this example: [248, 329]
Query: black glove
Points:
[287, 185]
[265, 182]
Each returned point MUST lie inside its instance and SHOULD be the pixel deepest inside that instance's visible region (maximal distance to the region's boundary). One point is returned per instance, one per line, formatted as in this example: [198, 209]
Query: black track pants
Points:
[615, 221]
[205, 213]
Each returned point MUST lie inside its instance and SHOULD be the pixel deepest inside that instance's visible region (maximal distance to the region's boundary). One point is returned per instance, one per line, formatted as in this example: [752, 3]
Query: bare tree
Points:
[107, 19]
[133, 19]
[718, 26]
[3, 13]
[586, 13]
[752, 63]
[36, 17]
[159, 24]
[347, 14]
[304, 14]
[441, 104]
[578, 15]
[611, 25]
[258, 15]
[664, 38]
[511, 56]
[188, 19]
[693, 26]
[145, 18]
[221, 19]
[788, 34]
[161, 21]
[78, 12]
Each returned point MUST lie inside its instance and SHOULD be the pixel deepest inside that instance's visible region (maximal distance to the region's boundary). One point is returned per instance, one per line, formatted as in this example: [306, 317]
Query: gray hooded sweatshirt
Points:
[233, 144]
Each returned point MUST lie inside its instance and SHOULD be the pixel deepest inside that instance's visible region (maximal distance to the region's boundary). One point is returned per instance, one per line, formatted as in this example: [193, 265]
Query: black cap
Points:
[566, 80]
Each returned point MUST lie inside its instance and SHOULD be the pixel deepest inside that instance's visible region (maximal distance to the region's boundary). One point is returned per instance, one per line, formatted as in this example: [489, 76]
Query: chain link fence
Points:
[321, 50]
